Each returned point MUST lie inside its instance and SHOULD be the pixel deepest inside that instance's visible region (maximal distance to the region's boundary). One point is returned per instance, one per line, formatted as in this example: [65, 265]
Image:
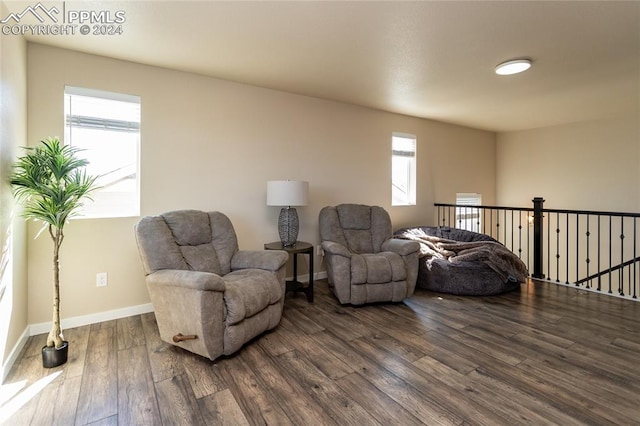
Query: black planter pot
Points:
[53, 357]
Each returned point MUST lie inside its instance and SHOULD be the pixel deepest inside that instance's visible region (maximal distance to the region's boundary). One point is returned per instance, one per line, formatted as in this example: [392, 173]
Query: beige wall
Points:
[588, 166]
[591, 165]
[212, 144]
[13, 247]
[461, 160]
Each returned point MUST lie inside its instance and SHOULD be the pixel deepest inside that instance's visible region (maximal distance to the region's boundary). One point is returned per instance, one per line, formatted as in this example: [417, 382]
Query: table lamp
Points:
[287, 193]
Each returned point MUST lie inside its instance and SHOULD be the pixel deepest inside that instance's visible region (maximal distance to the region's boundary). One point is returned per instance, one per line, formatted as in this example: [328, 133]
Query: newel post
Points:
[537, 237]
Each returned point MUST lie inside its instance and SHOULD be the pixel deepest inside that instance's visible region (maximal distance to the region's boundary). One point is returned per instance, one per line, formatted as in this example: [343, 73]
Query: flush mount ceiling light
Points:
[513, 67]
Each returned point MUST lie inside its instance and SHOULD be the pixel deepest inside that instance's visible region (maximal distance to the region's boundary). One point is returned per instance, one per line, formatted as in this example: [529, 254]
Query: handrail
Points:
[607, 271]
[484, 207]
[565, 211]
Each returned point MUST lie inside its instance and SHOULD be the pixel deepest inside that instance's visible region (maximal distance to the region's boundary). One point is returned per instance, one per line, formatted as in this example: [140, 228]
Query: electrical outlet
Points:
[101, 279]
[319, 251]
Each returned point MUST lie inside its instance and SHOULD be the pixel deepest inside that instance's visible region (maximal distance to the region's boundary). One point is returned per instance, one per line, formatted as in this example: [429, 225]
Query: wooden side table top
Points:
[299, 247]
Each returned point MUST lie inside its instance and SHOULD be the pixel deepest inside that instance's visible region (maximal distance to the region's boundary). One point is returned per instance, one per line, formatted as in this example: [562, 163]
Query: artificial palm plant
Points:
[51, 182]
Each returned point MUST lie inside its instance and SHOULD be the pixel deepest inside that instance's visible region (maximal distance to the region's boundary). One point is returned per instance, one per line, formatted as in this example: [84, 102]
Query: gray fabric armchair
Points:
[364, 263]
[209, 297]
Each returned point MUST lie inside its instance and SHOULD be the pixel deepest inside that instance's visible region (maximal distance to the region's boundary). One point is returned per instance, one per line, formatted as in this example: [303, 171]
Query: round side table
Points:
[299, 248]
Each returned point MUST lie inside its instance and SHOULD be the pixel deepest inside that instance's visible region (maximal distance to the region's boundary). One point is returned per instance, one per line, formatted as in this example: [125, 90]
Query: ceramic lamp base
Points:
[288, 226]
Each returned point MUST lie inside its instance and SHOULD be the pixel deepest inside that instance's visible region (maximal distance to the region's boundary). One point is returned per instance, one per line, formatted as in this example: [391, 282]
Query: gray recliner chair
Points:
[364, 263]
[209, 297]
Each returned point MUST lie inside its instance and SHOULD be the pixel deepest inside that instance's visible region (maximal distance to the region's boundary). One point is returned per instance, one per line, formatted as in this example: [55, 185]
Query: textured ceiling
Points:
[424, 59]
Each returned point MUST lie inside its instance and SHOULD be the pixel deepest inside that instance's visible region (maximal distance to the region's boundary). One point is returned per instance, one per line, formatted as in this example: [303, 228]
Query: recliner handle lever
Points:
[181, 337]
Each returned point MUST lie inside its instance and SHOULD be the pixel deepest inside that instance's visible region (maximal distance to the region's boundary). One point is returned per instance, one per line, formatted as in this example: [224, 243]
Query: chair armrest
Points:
[194, 280]
[402, 247]
[270, 260]
[334, 248]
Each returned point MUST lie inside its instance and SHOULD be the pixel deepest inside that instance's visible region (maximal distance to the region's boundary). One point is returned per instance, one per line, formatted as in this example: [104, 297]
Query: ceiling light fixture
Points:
[514, 66]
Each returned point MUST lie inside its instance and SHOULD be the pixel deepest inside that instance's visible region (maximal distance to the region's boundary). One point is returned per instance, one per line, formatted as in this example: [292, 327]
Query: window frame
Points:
[109, 209]
[468, 199]
[410, 195]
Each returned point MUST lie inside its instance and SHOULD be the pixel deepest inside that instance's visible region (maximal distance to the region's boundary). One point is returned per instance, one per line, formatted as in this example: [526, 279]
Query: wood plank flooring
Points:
[546, 354]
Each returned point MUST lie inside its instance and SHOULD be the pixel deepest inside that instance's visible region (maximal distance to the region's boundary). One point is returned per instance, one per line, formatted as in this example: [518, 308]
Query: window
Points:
[106, 126]
[468, 217]
[403, 170]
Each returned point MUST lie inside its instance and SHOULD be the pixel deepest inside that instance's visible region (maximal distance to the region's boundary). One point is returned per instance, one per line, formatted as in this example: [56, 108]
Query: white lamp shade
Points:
[287, 193]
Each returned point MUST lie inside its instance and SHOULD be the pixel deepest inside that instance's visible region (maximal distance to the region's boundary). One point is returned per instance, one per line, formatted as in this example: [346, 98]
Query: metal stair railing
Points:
[560, 245]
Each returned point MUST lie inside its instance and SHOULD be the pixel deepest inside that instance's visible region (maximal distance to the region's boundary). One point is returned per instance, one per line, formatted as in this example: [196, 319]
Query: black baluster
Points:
[577, 247]
[504, 223]
[610, 255]
[599, 263]
[491, 222]
[484, 221]
[588, 234]
[520, 236]
[511, 230]
[548, 246]
[620, 274]
[557, 247]
[635, 256]
[567, 249]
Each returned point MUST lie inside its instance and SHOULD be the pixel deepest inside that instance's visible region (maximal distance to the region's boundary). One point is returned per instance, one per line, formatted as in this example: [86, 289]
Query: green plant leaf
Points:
[50, 180]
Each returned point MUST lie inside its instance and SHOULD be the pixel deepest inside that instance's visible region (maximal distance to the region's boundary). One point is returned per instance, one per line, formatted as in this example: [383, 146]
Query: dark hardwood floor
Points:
[546, 354]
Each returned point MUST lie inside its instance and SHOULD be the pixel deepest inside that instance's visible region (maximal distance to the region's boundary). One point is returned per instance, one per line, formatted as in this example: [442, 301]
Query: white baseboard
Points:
[72, 322]
[590, 290]
[304, 278]
[13, 356]
[44, 327]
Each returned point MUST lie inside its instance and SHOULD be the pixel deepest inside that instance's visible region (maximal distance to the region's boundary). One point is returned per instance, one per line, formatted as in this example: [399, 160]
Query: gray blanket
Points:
[493, 254]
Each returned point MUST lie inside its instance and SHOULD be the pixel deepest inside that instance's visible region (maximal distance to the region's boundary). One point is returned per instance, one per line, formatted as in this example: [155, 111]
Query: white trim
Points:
[72, 322]
[590, 290]
[319, 275]
[95, 93]
[305, 278]
[13, 355]
[404, 135]
[43, 327]
[469, 198]
[410, 162]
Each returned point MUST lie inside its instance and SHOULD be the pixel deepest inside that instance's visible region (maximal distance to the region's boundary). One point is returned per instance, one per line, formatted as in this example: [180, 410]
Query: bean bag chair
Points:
[461, 262]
